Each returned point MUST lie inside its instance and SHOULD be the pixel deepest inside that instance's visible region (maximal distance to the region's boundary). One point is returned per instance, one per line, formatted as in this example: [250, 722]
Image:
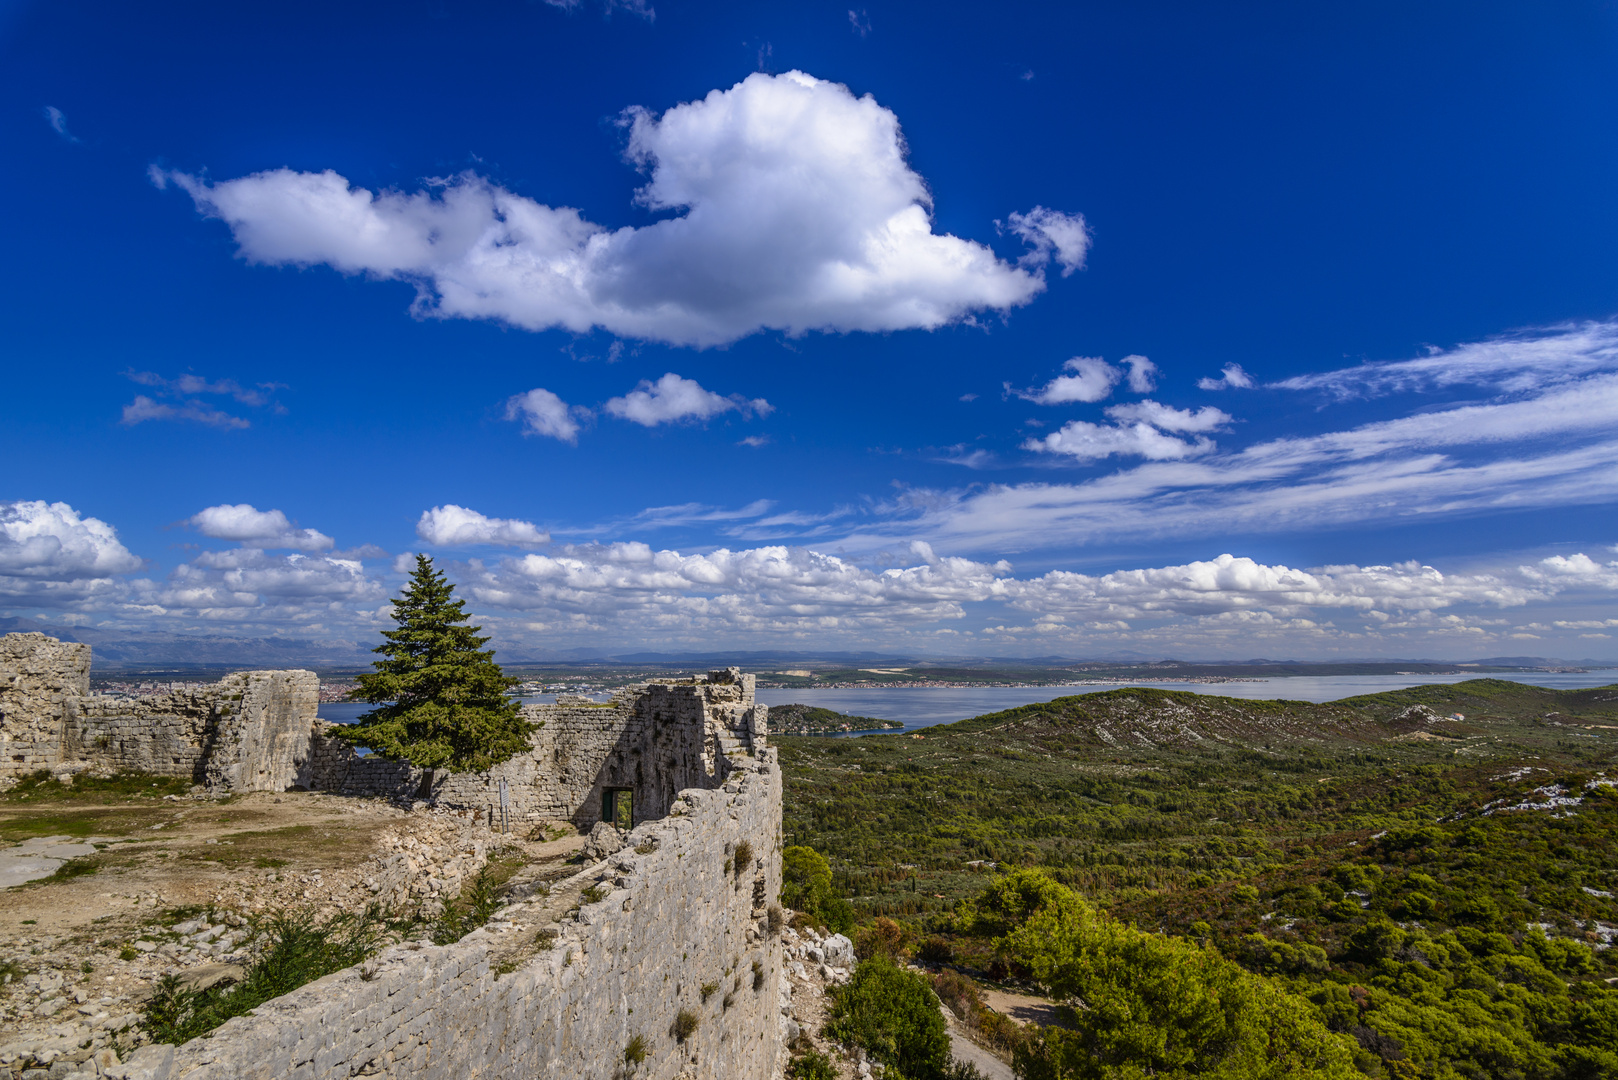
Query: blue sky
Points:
[1082, 330]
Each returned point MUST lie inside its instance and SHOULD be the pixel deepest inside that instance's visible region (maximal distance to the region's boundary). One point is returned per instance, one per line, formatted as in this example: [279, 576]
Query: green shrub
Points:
[894, 1015]
[685, 1024]
[813, 1065]
[299, 950]
[635, 1052]
[743, 859]
[708, 990]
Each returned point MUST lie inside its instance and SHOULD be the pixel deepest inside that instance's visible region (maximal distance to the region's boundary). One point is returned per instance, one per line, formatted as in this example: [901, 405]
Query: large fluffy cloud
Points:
[50, 550]
[252, 527]
[790, 204]
[454, 526]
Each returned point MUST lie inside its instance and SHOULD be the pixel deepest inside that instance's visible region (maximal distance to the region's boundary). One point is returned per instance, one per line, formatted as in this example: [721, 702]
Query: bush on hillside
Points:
[894, 1015]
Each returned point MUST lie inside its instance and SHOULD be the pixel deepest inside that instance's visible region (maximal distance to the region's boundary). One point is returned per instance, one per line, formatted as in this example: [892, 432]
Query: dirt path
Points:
[1023, 1008]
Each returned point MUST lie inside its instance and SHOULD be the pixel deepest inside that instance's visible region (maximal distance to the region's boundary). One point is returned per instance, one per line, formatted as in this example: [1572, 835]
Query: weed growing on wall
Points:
[298, 949]
[685, 1024]
[476, 905]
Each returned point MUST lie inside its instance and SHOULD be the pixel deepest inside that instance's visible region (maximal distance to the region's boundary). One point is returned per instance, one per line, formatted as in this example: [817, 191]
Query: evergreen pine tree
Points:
[441, 697]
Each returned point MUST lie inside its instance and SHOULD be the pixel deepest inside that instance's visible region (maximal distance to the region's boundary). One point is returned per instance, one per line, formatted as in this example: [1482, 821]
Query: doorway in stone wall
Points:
[618, 806]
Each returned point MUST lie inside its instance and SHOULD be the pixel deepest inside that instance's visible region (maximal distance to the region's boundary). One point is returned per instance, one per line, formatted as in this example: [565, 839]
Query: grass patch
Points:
[73, 868]
[636, 1051]
[299, 949]
[593, 895]
[43, 787]
[685, 1024]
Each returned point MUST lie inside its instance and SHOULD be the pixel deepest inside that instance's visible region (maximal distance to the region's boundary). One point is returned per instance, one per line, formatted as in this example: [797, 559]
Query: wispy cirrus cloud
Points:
[1514, 363]
[796, 210]
[182, 399]
[58, 122]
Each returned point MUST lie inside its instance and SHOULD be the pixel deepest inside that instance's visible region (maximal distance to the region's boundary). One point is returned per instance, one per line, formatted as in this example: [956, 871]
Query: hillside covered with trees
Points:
[1427, 875]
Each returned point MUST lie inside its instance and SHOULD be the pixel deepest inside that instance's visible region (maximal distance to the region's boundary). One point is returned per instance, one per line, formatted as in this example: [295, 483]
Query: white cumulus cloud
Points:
[790, 207]
[1092, 380]
[543, 413]
[1052, 234]
[453, 526]
[672, 398]
[1142, 374]
[1088, 442]
[49, 549]
[1232, 377]
[1168, 418]
[251, 527]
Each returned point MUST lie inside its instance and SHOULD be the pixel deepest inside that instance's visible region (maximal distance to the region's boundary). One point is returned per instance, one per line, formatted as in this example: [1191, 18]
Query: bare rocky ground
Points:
[172, 885]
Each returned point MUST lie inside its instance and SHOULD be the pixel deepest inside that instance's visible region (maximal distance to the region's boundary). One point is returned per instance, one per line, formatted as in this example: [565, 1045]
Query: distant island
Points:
[809, 720]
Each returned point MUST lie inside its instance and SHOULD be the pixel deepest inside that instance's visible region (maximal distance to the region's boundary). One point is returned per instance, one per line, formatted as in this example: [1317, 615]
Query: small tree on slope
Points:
[441, 697]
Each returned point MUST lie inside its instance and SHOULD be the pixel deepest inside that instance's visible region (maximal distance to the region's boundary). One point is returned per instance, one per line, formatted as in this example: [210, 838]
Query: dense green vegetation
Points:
[1431, 889]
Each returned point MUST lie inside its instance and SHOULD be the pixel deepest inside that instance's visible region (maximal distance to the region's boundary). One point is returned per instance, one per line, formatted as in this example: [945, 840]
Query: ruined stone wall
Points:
[41, 681]
[247, 732]
[676, 914]
[655, 740]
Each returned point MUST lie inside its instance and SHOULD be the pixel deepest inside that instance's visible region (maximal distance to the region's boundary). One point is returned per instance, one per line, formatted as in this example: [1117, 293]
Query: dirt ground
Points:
[174, 880]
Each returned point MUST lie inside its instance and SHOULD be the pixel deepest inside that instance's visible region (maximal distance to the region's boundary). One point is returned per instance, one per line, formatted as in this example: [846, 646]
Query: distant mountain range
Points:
[158, 650]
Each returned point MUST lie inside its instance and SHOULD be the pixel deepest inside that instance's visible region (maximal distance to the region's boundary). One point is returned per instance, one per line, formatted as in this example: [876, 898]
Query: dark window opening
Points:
[618, 807]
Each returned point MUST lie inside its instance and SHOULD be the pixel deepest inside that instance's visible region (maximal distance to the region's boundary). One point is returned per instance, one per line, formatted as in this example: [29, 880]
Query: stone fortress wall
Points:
[675, 911]
[676, 914]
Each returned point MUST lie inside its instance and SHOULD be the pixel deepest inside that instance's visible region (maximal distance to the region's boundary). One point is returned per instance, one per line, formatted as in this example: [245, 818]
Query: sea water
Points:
[924, 706]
